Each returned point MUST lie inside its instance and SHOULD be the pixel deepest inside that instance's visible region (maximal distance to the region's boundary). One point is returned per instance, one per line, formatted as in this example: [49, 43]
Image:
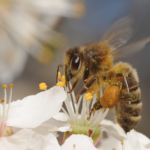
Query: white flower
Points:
[73, 122]
[136, 141]
[133, 141]
[109, 143]
[27, 26]
[29, 112]
[78, 142]
[82, 142]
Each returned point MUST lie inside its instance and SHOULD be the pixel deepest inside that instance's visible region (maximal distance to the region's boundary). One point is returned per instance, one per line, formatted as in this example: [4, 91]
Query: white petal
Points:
[27, 139]
[142, 138]
[61, 116]
[78, 142]
[113, 129]
[133, 141]
[110, 143]
[55, 125]
[52, 143]
[36, 109]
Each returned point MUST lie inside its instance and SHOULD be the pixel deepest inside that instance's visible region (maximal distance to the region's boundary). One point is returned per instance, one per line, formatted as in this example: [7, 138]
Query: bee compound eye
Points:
[75, 64]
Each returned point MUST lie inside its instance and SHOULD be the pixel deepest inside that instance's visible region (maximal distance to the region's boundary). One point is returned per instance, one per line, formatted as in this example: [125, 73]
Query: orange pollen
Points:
[74, 145]
[122, 143]
[63, 78]
[4, 86]
[60, 84]
[88, 96]
[11, 86]
[59, 75]
[42, 86]
[2, 101]
[91, 91]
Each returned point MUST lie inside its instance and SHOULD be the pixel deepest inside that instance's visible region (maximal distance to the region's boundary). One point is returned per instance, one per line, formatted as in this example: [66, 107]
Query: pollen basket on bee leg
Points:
[110, 97]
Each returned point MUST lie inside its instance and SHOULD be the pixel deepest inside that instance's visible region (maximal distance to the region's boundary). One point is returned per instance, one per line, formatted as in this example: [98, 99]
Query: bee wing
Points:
[119, 33]
[131, 49]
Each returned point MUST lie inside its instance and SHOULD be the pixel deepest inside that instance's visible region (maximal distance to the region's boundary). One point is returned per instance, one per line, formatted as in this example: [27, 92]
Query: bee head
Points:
[72, 63]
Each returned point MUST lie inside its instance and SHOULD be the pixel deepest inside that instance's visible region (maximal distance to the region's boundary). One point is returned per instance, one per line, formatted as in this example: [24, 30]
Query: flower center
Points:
[4, 129]
[7, 131]
[82, 122]
[93, 132]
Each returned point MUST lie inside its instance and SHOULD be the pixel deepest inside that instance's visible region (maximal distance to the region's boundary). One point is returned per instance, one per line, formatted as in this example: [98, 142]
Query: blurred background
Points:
[35, 34]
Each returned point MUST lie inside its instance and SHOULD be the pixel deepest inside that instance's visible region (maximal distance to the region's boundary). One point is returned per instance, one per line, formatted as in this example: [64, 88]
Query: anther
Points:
[11, 86]
[61, 84]
[59, 75]
[42, 86]
[91, 91]
[63, 78]
[122, 143]
[88, 96]
[4, 86]
[2, 101]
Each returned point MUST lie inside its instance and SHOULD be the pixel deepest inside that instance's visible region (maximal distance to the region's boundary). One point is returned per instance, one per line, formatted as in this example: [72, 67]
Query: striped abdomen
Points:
[128, 106]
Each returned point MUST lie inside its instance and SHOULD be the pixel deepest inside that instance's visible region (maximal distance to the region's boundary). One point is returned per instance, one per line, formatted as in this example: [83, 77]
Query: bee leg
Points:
[109, 98]
[57, 72]
[87, 85]
[97, 106]
[74, 86]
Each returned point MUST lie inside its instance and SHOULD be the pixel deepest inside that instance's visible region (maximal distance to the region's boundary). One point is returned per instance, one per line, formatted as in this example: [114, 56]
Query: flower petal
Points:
[142, 138]
[27, 139]
[55, 125]
[113, 144]
[134, 141]
[78, 142]
[61, 116]
[36, 109]
[113, 129]
[52, 143]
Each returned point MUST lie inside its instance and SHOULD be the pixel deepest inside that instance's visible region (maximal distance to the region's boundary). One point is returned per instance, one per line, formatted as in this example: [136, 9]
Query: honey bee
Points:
[94, 63]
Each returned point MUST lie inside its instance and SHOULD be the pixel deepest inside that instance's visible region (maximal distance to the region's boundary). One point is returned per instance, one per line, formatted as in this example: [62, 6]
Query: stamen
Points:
[59, 75]
[4, 86]
[100, 117]
[4, 112]
[83, 112]
[4, 107]
[61, 84]
[63, 78]
[93, 101]
[65, 112]
[2, 100]
[87, 107]
[88, 96]
[11, 86]
[10, 98]
[70, 111]
[42, 86]
[77, 109]
[122, 143]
